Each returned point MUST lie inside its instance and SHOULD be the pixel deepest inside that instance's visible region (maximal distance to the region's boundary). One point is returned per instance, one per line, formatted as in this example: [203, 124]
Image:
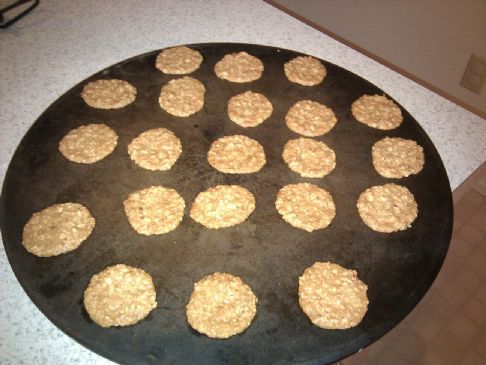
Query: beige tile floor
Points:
[449, 325]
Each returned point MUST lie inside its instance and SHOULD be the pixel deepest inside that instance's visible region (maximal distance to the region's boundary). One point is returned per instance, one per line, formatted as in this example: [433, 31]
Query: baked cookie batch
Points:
[222, 305]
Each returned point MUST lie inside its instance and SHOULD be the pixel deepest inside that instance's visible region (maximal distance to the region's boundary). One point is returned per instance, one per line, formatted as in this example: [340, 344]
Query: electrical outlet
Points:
[475, 74]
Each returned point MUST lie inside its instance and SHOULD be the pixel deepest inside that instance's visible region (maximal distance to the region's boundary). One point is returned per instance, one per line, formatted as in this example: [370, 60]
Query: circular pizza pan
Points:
[267, 253]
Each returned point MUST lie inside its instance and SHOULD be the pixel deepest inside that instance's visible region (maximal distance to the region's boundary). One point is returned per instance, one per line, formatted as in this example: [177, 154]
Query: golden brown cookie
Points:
[88, 143]
[309, 158]
[57, 229]
[305, 206]
[239, 67]
[223, 206]
[154, 210]
[332, 297]
[182, 97]
[236, 155]
[397, 157]
[310, 118]
[249, 109]
[377, 111]
[120, 295]
[109, 94]
[305, 70]
[178, 60]
[221, 306]
[155, 149]
[387, 208]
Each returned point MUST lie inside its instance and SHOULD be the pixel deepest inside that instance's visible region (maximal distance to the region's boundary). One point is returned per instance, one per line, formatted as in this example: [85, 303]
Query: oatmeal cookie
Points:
[236, 155]
[223, 206]
[57, 229]
[305, 206]
[221, 306]
[178, 60]
[387, 208]
[249, 109]
[309, 158]
[155, 149]
[332, 297]
[154, 210]
[305, 70]
[397, 157]
[310, 118]
[88, 143]
[109, 94]
[182, 97]
[239, 67]
[120, 295]
[377, 111]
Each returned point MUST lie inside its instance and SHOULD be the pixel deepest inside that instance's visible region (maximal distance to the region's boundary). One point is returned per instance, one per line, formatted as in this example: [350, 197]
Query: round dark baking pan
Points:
[267, 253]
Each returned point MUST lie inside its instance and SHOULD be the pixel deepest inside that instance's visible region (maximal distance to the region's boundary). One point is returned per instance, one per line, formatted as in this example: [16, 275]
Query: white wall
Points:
[430, 39]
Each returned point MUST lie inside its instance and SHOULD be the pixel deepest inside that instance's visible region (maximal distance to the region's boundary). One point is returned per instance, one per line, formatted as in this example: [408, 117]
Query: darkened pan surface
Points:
[267, 253]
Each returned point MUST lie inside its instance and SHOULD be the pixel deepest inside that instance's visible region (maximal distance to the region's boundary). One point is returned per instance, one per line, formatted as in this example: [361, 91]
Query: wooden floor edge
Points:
[378, 59]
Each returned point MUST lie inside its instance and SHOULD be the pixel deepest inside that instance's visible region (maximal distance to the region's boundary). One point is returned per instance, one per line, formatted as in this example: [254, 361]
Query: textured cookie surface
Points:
[223, 206]
[239, 67]
[221, 306]
[57, 229]
[332, 297]
[305, 206]
[249, 109]
[154, 210]
[377, 111]
[155, 149]
[88, 143]
[305, 70]
[120, 295]
[310, 118]
[182, 97]
[309, 158]
[109, 94]
[387, 208]
[178, 60]
[397, 157]
[236, 155]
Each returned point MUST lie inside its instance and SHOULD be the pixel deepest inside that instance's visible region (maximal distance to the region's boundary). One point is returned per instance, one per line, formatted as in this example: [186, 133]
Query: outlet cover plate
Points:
[474, 76]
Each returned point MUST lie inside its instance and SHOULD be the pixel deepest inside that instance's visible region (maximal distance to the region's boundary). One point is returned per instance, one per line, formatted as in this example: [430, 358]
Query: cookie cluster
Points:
[222, 305]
